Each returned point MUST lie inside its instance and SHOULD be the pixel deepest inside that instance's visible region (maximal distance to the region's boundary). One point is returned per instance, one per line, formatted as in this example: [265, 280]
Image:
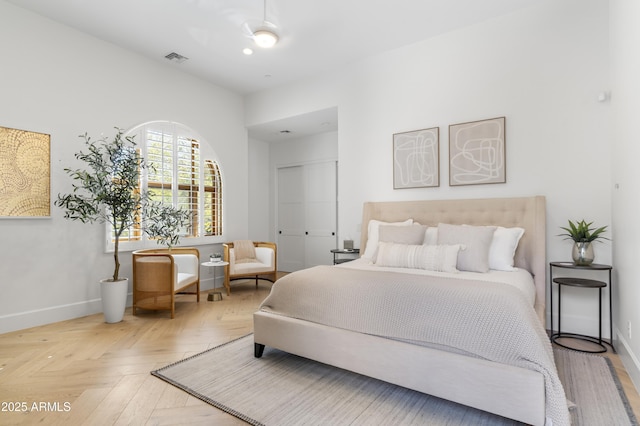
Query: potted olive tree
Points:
[583, 234]
[107, 191]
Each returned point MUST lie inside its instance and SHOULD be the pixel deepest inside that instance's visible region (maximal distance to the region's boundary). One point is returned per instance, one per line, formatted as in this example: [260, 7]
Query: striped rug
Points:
[283, 389]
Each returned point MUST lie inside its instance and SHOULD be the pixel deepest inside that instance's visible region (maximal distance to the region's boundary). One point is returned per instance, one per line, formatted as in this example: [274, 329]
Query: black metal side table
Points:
[581, 283]
[337, 252]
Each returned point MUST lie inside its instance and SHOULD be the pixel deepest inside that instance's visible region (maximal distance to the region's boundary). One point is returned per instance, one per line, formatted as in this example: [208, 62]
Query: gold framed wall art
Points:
[25, 174]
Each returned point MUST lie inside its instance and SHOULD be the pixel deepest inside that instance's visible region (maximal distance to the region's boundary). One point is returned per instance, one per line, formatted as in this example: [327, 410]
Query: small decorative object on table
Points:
[583, 235]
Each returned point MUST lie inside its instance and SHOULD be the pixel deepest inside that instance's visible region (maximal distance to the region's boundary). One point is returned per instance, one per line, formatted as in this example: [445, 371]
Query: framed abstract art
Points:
[416, 159]
[477, 152]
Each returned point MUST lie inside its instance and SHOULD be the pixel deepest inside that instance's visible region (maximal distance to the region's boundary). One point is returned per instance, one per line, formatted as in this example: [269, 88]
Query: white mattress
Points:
[520, 278]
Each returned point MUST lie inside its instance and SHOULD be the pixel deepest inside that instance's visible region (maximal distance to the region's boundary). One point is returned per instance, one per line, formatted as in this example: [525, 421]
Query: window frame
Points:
[206, 154]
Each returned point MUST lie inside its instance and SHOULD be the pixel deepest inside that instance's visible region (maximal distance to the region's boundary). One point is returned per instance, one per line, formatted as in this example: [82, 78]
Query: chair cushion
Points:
[184, 280]
[186, 263]
[251, 268]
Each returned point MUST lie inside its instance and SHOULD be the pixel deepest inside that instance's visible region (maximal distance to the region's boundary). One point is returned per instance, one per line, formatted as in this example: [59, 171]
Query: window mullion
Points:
[176, 165]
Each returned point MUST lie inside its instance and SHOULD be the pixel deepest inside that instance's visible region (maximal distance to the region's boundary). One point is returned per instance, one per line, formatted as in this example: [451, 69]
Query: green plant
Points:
[107, 191]
[582, 232]
[163, 223]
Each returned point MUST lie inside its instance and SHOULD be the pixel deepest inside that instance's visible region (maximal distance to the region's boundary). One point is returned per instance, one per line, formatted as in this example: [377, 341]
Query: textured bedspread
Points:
[490, 320]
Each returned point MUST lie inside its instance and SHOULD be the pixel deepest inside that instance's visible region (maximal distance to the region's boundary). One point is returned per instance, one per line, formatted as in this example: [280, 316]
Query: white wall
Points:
[58, 81]
[306, 149]
[260, 211]
[542, 68]
[625, 44]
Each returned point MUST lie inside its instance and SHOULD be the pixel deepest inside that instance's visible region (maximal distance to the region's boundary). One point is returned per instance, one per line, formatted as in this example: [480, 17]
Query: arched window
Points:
[182, 171]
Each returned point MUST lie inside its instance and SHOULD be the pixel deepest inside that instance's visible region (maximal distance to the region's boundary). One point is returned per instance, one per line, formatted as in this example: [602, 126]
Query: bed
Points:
[523, 387]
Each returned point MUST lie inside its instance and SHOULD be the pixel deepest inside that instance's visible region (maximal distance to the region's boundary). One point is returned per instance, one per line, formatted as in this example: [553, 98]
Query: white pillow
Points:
[431, 236]
[431, 258]
[477, 240]
[373, 236]
[503, 248]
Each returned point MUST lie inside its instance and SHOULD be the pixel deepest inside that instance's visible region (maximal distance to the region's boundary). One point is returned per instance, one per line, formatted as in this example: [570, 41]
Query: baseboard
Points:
[580, 324]
[628, 358]
[208, 284]
[37, 317]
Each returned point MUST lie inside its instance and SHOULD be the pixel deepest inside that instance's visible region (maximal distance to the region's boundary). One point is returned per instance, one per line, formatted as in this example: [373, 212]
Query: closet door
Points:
[307, 215]
[291, 219]
[320, 213]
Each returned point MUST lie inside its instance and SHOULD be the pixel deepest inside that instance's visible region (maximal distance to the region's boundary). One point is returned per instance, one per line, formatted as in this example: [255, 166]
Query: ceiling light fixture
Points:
[264, 36]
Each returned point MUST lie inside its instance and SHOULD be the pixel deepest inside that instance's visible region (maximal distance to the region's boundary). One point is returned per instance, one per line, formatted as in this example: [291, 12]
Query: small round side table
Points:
[581, 283]
[214, 295]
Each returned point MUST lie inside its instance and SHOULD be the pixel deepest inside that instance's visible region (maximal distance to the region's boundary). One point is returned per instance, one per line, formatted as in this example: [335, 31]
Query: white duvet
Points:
[520, 278]
[495, 321]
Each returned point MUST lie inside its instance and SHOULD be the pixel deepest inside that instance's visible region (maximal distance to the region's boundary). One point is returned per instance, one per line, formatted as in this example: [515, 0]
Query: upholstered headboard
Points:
[526, 212]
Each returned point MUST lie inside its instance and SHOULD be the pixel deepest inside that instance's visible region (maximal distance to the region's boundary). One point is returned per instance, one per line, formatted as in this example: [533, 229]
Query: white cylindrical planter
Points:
[114, 299]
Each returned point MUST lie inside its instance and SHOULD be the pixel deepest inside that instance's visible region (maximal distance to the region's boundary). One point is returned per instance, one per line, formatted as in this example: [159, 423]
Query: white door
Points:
[290, 218]
[320, 213]
[307, 213]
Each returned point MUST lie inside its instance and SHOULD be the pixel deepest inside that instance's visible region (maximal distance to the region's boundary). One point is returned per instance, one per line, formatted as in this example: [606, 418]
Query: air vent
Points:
[176, 57]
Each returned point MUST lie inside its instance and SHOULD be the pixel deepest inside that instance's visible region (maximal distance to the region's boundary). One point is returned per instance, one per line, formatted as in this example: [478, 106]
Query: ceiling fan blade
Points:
[249, 27]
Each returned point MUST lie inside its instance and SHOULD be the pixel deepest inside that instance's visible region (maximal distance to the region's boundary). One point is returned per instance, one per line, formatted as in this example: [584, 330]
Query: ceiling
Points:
[316, 36]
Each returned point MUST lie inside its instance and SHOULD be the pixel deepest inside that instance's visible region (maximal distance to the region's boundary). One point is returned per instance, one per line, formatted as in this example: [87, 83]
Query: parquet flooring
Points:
[86, 372]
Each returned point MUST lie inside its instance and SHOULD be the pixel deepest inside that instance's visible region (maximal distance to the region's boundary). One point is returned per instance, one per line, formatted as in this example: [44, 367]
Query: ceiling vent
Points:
[176, 57]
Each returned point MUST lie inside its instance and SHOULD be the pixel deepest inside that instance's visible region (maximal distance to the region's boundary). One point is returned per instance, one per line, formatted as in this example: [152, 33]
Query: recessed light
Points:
[247, 51]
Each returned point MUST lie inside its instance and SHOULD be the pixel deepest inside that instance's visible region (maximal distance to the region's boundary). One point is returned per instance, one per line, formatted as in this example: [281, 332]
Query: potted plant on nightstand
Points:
[583, 234]
[107, 191]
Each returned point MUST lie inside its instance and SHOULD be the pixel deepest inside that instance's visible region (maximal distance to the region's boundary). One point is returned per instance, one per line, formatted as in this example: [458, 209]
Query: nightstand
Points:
[585, 284]
[337, 252]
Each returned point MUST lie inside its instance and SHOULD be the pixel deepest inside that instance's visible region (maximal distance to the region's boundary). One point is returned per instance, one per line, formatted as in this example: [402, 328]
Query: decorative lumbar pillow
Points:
[503, 248]
[244, 251]
[432, 258]
[476, 239]
[413, 234]
[373, 236]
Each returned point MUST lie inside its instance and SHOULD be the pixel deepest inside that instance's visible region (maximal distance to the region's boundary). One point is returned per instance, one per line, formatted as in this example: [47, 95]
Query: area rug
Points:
[283, 389]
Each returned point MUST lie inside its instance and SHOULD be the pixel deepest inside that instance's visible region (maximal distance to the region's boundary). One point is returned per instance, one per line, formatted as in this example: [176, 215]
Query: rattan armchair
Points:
[265, 268]
[158, 274]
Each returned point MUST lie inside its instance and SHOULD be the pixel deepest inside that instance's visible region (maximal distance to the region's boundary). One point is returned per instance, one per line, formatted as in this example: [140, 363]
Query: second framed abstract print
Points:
[416, 159]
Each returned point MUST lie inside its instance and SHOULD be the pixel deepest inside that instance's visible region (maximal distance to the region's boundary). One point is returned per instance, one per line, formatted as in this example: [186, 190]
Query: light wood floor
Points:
[84, 371]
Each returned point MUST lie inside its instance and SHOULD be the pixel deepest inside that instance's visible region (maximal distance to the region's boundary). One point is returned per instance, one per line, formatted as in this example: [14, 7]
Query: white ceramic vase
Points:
[114, 299]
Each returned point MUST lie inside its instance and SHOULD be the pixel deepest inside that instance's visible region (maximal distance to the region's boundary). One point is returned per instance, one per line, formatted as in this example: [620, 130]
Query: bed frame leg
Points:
[258, 350]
